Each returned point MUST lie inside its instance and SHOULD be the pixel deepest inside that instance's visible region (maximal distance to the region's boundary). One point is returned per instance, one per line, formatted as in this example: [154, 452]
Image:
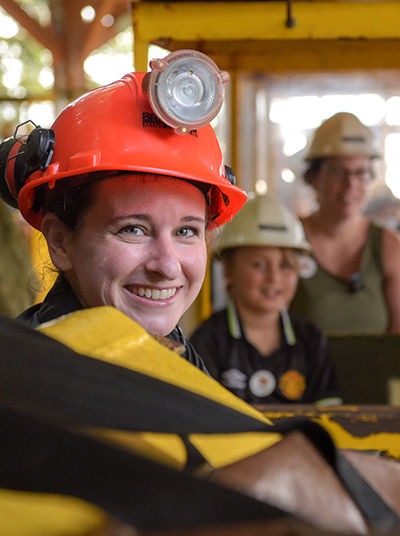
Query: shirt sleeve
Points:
[190, 353]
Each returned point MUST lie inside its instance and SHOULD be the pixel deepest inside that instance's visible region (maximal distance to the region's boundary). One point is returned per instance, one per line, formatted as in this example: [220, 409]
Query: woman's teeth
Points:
[154, 293]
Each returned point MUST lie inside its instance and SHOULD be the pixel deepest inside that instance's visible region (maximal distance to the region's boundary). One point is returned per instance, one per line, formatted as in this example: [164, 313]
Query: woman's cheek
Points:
[198, 262]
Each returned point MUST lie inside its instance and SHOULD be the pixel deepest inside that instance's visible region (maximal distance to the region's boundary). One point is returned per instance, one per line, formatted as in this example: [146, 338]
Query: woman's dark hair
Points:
[68, 202]
[69, 197]
[312, 170]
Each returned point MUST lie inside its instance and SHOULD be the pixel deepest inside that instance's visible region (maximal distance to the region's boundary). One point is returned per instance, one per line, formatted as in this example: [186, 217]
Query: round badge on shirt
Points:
[307, 267]
[292, 384]
[262, 383]
[233, 379]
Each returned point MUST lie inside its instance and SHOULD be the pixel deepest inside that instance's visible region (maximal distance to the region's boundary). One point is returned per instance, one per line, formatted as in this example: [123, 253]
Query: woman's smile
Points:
[156, 294]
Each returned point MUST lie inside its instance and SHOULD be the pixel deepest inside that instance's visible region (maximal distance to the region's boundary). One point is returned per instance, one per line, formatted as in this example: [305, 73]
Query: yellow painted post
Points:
[204, 301]
[234, 122]
[140, 52]
[140, 42]
[204, 306]
[45, 271]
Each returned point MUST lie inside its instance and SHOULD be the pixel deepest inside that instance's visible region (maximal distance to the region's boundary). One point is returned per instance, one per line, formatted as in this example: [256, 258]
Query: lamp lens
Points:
[188, 90]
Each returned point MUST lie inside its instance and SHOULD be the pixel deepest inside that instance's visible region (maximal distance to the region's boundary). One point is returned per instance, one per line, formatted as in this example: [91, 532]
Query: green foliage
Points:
[22, 54]
[17, 278]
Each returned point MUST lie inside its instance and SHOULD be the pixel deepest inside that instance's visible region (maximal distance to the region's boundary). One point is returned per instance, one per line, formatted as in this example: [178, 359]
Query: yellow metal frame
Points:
[254, 36]
[347, 424]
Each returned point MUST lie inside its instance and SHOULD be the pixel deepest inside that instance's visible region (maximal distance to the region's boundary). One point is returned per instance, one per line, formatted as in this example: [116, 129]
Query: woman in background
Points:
[351, 282]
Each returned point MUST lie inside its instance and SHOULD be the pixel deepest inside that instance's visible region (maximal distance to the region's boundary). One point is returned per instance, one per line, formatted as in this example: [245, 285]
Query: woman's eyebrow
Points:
[147, 217]
[193, 219]
[140, 216]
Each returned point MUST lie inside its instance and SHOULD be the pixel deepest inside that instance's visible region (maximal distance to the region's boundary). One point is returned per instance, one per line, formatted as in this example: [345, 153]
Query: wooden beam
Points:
[96, 31]
[43, 34]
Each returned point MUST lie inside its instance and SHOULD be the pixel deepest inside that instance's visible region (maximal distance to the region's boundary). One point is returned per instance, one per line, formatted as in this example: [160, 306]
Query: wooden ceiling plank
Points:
[97, 34]
[43, 34]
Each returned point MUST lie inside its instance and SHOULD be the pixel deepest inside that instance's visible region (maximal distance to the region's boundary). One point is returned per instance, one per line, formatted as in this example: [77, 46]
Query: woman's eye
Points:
[187, 232]
[259, 265]
[132, 230]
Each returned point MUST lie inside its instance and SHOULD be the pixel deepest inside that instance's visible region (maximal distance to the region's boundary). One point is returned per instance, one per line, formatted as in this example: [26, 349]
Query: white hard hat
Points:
[263, 221]
[343, 134]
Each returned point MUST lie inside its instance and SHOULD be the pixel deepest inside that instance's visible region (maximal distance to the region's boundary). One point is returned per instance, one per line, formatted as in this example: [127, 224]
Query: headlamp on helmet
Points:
[134, 124]
[185, 89]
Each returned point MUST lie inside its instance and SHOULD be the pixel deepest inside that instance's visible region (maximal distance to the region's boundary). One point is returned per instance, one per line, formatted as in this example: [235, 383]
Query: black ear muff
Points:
[39, 148]
[230, 175]
[5, 193]
[18, 162]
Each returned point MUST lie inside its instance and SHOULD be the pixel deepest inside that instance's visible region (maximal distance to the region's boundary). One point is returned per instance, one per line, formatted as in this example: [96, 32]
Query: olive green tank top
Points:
[337, 305]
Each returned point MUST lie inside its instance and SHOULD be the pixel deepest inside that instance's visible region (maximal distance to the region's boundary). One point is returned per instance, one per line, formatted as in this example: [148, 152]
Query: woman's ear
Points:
[58, 237]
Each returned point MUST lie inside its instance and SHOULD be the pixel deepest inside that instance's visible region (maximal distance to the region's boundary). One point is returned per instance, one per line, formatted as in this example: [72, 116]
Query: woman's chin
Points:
[161, 327]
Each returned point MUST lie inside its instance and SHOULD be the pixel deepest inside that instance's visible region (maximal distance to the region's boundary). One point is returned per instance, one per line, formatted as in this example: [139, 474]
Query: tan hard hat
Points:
[343, 134]
[263, 221]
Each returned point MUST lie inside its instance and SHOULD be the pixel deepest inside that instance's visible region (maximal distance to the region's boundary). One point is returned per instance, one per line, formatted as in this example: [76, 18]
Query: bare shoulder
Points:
[390, 238]
[308, 223]
[390, 250]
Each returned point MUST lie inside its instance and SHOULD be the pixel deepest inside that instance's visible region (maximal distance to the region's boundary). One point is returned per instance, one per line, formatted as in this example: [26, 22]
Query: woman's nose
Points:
[355, 179]
[163, 258]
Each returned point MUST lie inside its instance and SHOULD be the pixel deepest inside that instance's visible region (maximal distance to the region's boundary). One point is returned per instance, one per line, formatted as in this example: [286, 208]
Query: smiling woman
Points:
[140, 247]
[124, 198]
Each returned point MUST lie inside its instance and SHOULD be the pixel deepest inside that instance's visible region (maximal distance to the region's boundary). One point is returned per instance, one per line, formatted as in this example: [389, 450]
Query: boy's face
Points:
[262, 278]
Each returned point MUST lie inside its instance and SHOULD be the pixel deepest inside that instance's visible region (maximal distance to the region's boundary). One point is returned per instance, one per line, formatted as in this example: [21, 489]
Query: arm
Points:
[323, 388]
[391, 270]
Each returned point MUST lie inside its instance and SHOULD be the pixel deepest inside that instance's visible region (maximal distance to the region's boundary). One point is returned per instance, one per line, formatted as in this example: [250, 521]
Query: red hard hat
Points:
[113, 128]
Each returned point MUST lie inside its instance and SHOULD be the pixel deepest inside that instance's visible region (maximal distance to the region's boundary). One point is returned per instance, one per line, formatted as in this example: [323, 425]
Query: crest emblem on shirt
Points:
[307, 267]
[233, 379]
[292, 384]
[262, 383]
